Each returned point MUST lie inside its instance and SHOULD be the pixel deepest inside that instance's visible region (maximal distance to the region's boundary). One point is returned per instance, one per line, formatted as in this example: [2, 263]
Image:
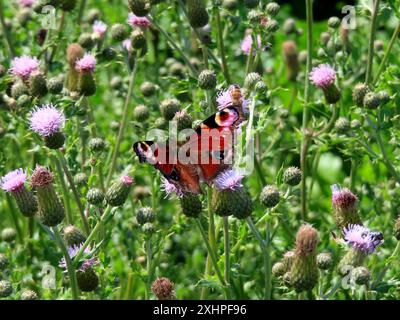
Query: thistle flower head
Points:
[224, 99]
[73, 251]
[163, 289]
[323, 76]
[13, 180]
[228, 179]
[362, 239]
[46, 120]
[99, 28]
[41, 176]
[127, 180]
[170, 188]
[136, 21]
[26, 3]
[247, 42]
[306, 239]
[86, 64]
[24, 66]
[343, 198]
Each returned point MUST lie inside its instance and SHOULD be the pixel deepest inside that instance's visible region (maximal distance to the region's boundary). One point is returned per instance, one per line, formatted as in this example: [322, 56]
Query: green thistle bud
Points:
[116, 83]
[207, 80]
[148, 229]
[324, 38]
[191, 205]
[95, 196]
[397, 229]
[324, 261]
[141, 192]
[37, 84]
[269, 196]
[160, 123]
[291, 58]
[184, 119]
[177, 69]
[140, 7]
[342, 125]
[18, 89]
[3, 71]
[119, 32]
[73, 236]
[97, 145]
[304, 271]
[230, 4]
[272, 9]
[4, 262]
[255, 16]
[303, 57]
[289, 26]
[86, 84]
[384, 97]
[261, 87]
[87, 279]
[287, 280]
[81, 179]
[86, 41]
[148, 89]
[379, 45]
[55, 85]
[138, 39]
[251, 3]
[288, 259]
[55, 140]
[141, 113]
[278, 269]
[271, 26]
[169, 107]
[26, 201]
[235, 202]
[144, 215]
[355, 124]
[332, 94]
[353, 258]
[50, 209]
[251, 79]
[117, 194]
[6, 288]
[372, 100]
[29, 295]
[359, 92]
[292, 176]
[24, 101]
[361, 275]
[197, 13]
[333, 22]
[8, 234]
[163, 289]
[108, 53]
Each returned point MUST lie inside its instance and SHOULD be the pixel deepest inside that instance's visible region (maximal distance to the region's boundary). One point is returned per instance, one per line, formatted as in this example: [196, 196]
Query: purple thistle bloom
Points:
[86, 64]
[46, 120]
[13, 181]
[127, 180]
[99, 28]
[323, 76]
[72, 252]
[343, 198]
[361, 238]
[247, 43]
[24, 66]
[127, 45]
[138, 21]
[170, 188]
[228, 179]
[26, 3]
[224, 99]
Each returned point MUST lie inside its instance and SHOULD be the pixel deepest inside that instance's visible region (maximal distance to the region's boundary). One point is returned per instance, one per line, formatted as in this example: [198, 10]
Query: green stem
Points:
[124, 121]
[81, 10]
[70, 265]
[227, 252]
[375, 10]
[59, 33]
[388, 264]
[387, 53]
[149, 254]
[64, 190]
[67, 173]
[329, 126]
[13, 212]
[6, 31]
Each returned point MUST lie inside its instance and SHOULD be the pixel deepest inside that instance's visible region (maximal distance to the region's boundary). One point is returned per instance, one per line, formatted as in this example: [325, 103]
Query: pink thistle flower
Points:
[362, 239]
[13, 181]
[46, 120]
[228, 179]
[73, 251]
[99, 28]
[127, 45]
[24, 66]
[170, 188]
[86, 64]
[247, 43]
[26, 3]
[343, 198]
[323, 76]
[136, 21]
[224, 99]
[127, 180]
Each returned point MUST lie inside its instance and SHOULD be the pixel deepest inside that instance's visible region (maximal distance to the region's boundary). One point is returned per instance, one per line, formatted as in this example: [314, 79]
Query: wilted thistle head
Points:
[136, 21]
[306, 239]
[291, 57]
[74, 52]
[41, 177]
[24, 66]
[362, 239]
[46, 120]
[86, 64]
[163, 289]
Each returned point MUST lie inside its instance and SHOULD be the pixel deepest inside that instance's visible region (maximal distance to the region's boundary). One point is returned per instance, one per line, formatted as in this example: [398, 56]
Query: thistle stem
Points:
[61, 159]
[15, 219]
[227, 252]
[6, 31]
[123, 122]
[64, 190]
[149, 254]
[368, 76]
[387, 53]
[68, 261]
[81, 10]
